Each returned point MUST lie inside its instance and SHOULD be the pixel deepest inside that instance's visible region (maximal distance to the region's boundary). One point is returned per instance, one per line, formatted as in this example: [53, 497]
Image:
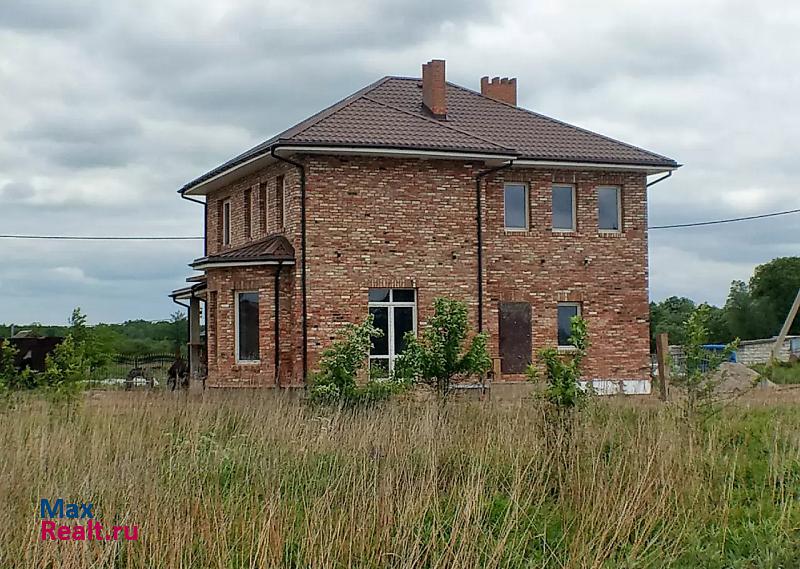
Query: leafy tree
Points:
[775, 285]
[562, 372]
[700, 379]
[668, 317]
[179, 331]
[441, 353]
[340, 365]
[749, 317]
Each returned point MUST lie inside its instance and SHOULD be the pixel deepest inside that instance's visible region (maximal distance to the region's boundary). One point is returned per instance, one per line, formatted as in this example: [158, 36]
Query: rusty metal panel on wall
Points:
[515, 336]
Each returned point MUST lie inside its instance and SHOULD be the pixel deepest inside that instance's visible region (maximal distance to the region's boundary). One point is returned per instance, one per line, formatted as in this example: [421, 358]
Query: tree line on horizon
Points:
[753, 310]
[132, 337]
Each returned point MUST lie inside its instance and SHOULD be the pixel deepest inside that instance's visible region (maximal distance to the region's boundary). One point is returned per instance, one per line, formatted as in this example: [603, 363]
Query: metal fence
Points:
[141, 370]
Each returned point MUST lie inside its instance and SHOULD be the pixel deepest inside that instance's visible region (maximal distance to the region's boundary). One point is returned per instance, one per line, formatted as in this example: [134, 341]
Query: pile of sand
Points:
[737, 378]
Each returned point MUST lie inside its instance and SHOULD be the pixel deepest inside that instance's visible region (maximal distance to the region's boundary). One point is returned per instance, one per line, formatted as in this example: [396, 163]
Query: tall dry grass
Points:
[258, 480]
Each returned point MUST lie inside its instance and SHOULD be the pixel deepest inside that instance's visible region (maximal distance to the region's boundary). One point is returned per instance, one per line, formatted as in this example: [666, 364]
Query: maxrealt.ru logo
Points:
[91, 530]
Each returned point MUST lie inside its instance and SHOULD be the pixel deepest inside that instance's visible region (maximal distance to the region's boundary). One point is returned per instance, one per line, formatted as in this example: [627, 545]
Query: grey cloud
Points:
[80, 138]
[44, 15]
[109, 107]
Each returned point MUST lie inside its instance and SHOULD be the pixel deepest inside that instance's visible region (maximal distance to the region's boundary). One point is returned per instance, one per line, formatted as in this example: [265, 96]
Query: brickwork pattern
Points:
[381, 222]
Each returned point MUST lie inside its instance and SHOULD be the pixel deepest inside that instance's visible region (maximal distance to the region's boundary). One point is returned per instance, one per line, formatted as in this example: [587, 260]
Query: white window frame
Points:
[574, 227]
[527, 207]
[619, 209]
[226, 222]
[236, 326]
[566, 347]
[391, 305]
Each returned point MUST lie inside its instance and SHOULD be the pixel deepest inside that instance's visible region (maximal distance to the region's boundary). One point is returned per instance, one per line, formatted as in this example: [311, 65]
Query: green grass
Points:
[254, 480]
[781, 372]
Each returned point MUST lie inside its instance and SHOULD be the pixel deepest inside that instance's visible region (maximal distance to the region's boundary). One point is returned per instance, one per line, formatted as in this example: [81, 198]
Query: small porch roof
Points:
[196, 290]
[271, 250]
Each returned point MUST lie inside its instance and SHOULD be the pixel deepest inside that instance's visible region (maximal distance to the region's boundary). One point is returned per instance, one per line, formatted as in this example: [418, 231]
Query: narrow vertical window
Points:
[226, 222]
[563, 208]
[394, 311]
[566, 312]
[516, 206]
[280, 202]
[247, 327]
[609, 215]
[248, 214]
[262, 208]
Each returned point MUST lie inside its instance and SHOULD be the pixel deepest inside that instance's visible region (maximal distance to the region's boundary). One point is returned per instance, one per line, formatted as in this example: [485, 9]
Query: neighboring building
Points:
[760, 351]
[411, 189]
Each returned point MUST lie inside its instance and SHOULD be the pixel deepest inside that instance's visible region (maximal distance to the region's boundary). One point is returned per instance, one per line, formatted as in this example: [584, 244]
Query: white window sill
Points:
[567, 349]
[562, 231]
[248, 362]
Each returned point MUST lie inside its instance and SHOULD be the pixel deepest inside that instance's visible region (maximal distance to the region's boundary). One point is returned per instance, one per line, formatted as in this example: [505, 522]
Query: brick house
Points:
[411, 189]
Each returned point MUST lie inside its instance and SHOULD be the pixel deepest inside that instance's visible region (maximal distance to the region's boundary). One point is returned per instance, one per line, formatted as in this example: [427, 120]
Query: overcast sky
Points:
[107, 108]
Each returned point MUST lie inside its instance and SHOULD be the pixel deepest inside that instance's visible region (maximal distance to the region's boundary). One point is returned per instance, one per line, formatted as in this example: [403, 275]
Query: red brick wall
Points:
[224, 282]
[389, 222]
[376, 222]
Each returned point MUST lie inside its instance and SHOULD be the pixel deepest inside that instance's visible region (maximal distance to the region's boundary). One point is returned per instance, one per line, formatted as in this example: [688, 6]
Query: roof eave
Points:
[206, 263]
[203, 187]
[648, 169]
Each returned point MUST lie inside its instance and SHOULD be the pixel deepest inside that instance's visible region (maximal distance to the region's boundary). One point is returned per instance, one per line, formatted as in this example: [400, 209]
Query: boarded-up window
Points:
[515, 336]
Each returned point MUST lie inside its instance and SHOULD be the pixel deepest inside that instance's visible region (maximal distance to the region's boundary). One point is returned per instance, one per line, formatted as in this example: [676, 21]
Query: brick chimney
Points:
[434, 91]
[504, 89]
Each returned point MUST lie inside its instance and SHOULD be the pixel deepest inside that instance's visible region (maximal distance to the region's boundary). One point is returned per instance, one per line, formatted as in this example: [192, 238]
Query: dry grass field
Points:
[240, 480]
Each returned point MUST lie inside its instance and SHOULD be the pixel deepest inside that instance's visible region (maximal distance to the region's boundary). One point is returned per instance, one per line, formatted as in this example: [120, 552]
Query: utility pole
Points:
[776, 349]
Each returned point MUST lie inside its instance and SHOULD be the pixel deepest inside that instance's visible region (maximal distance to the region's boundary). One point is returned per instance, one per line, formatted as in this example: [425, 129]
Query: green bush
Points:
[562, 372]
[336, 382]
[440, 354]
[700, 379]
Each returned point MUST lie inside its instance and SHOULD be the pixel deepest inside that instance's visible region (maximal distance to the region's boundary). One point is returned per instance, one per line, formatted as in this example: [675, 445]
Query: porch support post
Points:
[194, 336]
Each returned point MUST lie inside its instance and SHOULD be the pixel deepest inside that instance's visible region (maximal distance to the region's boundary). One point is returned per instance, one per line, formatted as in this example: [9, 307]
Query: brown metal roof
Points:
[389, 114]
[269, 249]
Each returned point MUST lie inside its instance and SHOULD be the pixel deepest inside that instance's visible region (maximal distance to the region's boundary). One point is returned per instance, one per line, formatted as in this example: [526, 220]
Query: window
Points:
[566, 311]
[516, 206]
[280, 202]
[247, 327]
[394, 310]
[608, 209]
[248, 214]
[226, 222]
[563, 208]
[263, 219]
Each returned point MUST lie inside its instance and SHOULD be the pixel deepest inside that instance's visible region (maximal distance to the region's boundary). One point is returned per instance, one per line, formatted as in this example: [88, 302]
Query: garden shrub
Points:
[342, 362]
[441, 353]
[562, 371]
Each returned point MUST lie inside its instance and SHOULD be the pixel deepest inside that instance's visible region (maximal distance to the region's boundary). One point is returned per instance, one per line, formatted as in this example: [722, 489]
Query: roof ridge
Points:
[437, 122]
[562, 123]
[331, 110]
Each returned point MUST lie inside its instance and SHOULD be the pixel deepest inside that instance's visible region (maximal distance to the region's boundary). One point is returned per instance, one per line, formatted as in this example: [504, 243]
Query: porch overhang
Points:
[271, 250]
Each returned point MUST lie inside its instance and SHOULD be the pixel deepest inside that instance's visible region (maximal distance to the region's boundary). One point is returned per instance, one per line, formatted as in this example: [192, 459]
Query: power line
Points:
[731, 220]
[99, 238]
